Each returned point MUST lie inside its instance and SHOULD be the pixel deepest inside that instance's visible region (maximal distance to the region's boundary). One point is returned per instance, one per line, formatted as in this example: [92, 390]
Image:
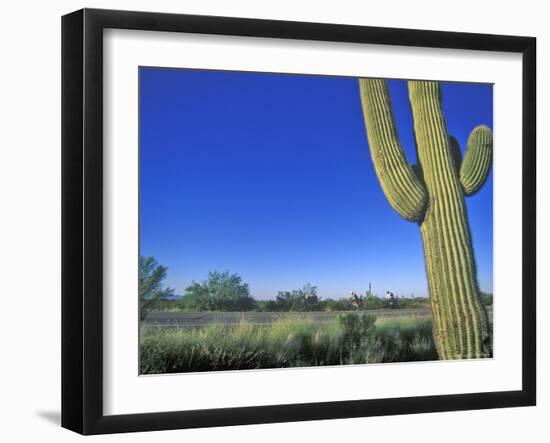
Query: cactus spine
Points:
[432, 195]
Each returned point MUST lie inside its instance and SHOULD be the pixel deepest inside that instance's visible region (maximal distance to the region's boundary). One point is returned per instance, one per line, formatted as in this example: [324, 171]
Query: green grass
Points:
[288, 342]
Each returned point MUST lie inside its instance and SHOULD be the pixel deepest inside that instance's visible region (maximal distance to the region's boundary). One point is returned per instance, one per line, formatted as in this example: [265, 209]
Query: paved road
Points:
[197, 319]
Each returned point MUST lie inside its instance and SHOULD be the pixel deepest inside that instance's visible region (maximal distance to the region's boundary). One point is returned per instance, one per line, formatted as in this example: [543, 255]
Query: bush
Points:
[152, 291]
[486, 298]
[221, 291]
[356, 329]
[406, 339]
[373, 302]
[297, 300]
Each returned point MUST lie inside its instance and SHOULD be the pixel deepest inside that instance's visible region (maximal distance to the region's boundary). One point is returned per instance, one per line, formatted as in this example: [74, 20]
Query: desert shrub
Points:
[356, 328]
[152, 290]
[407, 339]
[486, 298]
[221, 291]
[304, 299]
[373, 302]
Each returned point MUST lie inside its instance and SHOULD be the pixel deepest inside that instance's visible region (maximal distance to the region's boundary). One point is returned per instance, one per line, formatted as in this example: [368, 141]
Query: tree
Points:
[221, 291]
[151, 288]
[304, 299]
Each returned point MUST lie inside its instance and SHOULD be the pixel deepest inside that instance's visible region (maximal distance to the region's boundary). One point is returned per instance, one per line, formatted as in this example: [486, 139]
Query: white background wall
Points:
[30, 218]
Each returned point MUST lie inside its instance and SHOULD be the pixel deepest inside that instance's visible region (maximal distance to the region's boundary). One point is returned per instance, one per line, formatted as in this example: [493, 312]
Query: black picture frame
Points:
[82, 215]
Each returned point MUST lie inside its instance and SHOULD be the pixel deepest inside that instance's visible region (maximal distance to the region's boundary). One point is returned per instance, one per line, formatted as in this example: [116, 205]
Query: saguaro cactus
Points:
[432, 195]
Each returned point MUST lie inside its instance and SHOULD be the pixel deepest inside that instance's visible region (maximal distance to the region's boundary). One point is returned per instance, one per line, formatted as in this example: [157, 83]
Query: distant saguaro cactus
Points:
[432, 195]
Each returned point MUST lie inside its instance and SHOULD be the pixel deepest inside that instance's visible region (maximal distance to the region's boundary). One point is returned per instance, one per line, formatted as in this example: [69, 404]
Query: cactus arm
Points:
[477, 160]
[401, 185]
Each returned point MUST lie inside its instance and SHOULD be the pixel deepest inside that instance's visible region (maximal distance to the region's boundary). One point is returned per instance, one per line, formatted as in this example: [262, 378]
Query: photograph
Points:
[294, 220]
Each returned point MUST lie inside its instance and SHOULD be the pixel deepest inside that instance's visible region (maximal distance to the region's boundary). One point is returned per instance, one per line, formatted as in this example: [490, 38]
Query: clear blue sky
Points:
[269, 176]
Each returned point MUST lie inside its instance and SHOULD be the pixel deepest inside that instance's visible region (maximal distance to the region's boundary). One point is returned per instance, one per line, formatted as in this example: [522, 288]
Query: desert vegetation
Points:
[220, 323]
[291, 337]
[355, 338]
[227, 292]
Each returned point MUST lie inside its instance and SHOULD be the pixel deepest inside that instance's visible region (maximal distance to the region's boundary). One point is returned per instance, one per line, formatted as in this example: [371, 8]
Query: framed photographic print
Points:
[269, 221]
